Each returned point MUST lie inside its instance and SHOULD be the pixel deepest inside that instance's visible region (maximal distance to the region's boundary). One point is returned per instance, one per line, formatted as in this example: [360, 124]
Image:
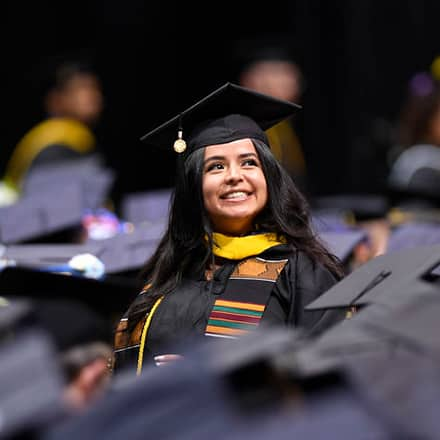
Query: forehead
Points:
[230, 149]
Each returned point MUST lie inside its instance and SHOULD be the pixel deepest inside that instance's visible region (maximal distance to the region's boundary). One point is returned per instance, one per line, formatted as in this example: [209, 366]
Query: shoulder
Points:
[310, 273]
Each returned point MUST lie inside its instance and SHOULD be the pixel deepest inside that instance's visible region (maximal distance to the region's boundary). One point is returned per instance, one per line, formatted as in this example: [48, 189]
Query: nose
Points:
[233, 174]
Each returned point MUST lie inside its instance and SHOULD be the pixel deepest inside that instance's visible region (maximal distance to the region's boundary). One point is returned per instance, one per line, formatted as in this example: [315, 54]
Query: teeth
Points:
[235, 195]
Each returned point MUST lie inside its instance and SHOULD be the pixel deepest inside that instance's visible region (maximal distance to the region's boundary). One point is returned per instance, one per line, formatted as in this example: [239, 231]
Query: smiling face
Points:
[234, 186]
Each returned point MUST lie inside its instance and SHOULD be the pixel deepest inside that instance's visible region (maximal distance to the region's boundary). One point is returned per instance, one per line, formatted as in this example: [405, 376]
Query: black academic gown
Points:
[183, 314]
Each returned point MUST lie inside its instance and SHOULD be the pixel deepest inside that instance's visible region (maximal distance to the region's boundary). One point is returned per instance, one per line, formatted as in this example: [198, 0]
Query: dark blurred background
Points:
[155, 58]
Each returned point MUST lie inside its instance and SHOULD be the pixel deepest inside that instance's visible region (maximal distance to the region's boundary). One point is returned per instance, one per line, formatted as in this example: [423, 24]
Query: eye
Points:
[250, 163]
[214, 166]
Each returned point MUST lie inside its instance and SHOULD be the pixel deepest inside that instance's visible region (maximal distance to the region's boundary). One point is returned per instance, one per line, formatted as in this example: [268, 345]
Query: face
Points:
[280, 79]
[234, 186]
[81, 99]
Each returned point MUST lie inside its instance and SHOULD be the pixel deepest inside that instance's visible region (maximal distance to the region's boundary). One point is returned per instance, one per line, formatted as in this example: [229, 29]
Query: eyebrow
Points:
[241, 156]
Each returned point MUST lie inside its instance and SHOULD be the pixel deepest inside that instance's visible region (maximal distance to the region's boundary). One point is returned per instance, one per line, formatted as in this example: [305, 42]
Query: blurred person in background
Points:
[73, 102]
[267, 65]
[415, 160]
[414, 177]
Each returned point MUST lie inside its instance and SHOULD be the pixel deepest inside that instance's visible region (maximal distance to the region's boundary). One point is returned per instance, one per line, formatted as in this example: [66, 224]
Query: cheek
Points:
[261, 185]
[208, 190]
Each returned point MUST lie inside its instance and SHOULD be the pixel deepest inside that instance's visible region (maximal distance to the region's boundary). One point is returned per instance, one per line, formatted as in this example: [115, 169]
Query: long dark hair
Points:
[184, 249]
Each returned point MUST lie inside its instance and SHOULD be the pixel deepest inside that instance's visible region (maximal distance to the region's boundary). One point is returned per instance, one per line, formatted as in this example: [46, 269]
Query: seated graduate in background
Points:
[239, 249]
[73, 102]
[268, 65]
[414, 177]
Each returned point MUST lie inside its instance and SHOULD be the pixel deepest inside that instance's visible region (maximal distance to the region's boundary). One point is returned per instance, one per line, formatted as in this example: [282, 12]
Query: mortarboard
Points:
[127, 252]
[382, 279]
[413, 234]
[342, 243]
[43, 255]
[93, 178]
[329, 220]
[32, 385]
[414, 321]
[229, 113]
[43, 215]
[107, 298]
[147, 206]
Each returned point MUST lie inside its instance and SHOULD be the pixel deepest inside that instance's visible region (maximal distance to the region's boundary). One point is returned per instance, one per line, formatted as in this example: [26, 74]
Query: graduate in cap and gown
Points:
[239, 251]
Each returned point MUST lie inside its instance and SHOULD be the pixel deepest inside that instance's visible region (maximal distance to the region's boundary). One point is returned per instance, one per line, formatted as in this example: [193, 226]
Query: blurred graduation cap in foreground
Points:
[383, 278]
[414, 321]
[229, 390]
[32, 384]
[107, 298]
[228, 113]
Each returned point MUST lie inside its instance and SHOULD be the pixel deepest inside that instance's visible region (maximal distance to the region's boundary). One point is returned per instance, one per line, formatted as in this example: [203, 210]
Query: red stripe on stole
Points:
[235, 317]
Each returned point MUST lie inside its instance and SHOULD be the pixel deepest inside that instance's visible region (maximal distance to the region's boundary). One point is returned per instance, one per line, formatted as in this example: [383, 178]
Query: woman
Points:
[239, 250]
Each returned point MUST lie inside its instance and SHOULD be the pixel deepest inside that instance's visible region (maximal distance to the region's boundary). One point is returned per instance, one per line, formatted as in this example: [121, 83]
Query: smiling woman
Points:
[234, 186]
[239, 252]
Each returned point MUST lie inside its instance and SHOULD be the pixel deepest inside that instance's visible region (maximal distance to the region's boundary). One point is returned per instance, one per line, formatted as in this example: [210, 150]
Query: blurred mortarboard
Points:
[42, 255]
[348, 339]
[43, 215]
[107, 298]
[229, 113]
[413, 234]
[342, 243]
[382, 279]
[357, 206]
[414, 320]
[329, 220]
[126, 253]
[93, 178]
[152, 206]
[32, 385]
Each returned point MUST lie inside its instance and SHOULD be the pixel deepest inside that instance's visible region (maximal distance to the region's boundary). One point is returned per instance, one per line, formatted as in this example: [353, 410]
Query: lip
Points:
[244, 196]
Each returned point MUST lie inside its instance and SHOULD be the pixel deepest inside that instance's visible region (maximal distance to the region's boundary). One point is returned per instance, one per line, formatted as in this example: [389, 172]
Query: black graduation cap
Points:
[59, 296]
[43, 215]
[382, 279]
[229, 113]
[342, 243]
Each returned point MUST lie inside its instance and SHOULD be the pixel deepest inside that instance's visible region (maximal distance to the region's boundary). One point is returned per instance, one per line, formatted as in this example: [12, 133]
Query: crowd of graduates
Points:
[70, 267]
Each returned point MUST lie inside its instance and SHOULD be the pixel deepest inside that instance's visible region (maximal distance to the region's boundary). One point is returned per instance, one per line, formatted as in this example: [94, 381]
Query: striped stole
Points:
[241, 306]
